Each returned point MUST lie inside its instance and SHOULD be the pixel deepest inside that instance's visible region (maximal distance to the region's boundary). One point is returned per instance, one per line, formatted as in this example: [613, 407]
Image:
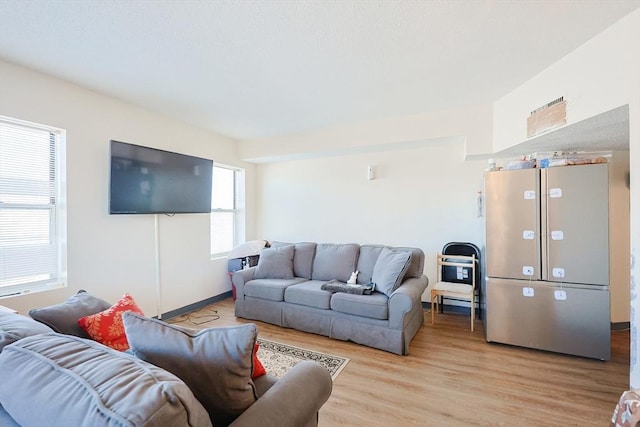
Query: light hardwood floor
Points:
[452, 376]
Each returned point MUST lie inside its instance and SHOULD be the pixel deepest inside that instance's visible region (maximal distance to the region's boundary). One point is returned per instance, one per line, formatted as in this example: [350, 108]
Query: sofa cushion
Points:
[309, 293]
[63, 317]
[302, 257]
[390, 269]
[216, 363]
[70, 381]
[6, 420]
[335, 261]
[369, 255]
[416, 266]
[366, 261]
[106, 326]
[275, 263]
[271, 289]
[375, 306]
[263, 384]
[14, 326]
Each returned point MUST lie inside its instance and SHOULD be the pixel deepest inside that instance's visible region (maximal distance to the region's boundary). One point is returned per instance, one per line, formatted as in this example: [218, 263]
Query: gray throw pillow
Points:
[63, 318]
[15, 326]
[390, 269]
[275, 263]
[302, 257]
[216, 363]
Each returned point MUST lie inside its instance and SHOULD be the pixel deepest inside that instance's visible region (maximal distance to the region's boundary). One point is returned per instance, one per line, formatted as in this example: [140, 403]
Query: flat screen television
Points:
[146, 180]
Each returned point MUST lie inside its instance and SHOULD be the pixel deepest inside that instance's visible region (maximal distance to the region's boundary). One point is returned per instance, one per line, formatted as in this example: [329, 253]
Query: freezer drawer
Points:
[546, 316]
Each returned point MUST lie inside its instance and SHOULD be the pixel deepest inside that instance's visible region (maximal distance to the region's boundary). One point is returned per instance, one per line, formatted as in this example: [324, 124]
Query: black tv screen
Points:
[150, 181]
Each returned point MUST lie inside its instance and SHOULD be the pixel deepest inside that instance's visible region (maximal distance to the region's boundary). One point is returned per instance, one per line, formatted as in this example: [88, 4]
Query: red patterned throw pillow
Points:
[258, 367]
[106, 327]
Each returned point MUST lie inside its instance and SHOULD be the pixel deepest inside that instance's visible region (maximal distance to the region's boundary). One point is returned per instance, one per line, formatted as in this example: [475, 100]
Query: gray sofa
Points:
[171, 377]
[286, 289]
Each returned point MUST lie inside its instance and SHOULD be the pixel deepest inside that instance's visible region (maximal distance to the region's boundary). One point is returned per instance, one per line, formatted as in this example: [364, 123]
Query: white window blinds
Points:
[32, 221]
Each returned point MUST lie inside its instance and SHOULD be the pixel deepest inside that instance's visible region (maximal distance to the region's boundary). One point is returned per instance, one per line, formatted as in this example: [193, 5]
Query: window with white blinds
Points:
[227, 212]
[32, 215]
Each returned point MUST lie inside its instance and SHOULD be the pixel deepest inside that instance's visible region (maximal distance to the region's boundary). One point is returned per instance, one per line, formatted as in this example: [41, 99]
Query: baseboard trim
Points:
[615, 326]
[620, 326]
[196, 305]
[447, 308]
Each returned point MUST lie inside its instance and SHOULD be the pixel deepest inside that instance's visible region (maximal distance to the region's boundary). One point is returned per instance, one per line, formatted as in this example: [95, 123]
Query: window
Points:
[32, 217]
[227, 209]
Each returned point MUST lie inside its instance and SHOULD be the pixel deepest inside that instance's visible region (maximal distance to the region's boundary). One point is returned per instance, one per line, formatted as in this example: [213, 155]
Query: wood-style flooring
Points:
[452, 377]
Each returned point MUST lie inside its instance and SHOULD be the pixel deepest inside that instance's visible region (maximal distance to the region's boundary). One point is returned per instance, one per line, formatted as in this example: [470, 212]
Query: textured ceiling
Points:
[254, 69]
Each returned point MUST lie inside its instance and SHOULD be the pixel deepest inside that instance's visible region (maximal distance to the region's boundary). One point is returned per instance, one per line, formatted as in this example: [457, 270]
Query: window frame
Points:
[58, 202]
[238, 211]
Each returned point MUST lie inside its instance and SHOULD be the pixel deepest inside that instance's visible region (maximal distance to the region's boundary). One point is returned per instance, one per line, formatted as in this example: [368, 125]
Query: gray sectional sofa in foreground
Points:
[286, 289]
[172, 377]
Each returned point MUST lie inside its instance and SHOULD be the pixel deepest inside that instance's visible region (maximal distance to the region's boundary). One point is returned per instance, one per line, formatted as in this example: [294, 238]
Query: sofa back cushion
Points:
[369, 255]
[61, 380]
[14, 327]
[366, 261]
[416, 267]
[6, 420]
[335, 261]
[302, 257]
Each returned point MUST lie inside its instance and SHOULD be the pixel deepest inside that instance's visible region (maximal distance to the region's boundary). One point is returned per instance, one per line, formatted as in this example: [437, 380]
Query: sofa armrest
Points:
[291, 402]
[240, 277]
[404, 299]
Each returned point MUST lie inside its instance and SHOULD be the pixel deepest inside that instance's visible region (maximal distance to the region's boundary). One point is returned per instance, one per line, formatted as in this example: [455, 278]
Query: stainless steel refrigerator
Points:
[547, 259]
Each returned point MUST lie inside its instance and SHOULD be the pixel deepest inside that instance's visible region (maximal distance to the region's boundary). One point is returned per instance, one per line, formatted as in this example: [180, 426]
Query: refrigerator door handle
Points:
[543, 216]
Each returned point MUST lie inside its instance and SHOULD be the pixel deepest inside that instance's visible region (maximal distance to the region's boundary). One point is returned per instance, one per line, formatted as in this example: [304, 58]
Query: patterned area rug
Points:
[278, 358]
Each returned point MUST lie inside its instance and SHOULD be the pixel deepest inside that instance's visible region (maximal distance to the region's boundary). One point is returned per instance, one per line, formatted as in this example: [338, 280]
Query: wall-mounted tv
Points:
[150, 181]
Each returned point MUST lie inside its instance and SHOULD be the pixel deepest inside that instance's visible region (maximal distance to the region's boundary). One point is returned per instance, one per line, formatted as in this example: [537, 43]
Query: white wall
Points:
[422, 197]
[109, 255]
[594, 78]
[619, 237]
[473, 124]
